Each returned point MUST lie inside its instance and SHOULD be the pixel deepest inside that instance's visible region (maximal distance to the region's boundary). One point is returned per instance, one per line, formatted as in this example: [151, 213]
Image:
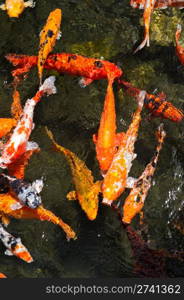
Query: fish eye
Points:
[33, 200]
[98, 64]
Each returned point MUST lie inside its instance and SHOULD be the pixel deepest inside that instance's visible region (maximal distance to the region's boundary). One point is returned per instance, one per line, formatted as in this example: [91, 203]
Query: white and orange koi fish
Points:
[14, 246]
[18, 143]
[148, 9]
[135, 200]
[2, 275]
[115, 180]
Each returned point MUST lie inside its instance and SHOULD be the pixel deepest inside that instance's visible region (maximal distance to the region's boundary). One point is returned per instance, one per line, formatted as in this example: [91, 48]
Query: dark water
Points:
[109, 29]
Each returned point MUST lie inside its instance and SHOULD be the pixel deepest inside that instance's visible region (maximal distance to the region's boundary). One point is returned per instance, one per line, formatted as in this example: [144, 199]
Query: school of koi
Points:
[114, 151]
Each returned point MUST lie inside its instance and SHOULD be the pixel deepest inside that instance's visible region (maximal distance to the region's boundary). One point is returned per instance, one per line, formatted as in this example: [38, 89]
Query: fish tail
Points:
[140, 99]
[178, 32]
[144, 42]
[49, 216]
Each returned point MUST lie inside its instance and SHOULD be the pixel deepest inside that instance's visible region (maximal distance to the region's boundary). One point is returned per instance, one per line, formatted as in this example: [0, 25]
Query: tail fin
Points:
[144, 42]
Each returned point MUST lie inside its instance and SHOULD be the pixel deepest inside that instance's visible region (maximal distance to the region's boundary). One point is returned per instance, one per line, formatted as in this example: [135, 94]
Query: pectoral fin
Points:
[71, 196]
[8, 252]
[83, 82]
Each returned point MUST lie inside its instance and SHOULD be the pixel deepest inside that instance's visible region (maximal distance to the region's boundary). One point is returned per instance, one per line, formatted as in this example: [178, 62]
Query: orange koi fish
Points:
[115, 180]
[14, 246]
[107, 140]
[18, 143]
[135, 201]
[16, 7]
[88, 68]
[179, 48]
[148, 6]
[48, 36]
[86, 190]
[7, 201]
[156, 104]
[6, 124]
[148, 9]
[2, 275]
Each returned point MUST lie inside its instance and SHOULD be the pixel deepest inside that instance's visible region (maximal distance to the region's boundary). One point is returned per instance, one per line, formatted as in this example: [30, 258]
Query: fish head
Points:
[21, 252]
[15, 9]
[33, 199]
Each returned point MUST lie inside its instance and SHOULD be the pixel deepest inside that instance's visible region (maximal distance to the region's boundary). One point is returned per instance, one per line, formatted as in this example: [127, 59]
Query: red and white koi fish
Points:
[14, 246]
[179, 48]
[107, 140]
[156, 104]
[18, 143]
[148, 9]
[115, 180]
[88, 68]
[135, 200]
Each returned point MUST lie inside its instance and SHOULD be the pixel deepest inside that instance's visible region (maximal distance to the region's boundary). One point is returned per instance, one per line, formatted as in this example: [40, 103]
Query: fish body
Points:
[135, 200]
[107, 140]
[88, 68]
[162, 4]
[27, 193]
[148, 9]
[156, 104]
[86, 190]
[18, 144]
[7, 201]
[16, 7]
[115, 180]
[14, 246]
[48, 37]
[2, 275]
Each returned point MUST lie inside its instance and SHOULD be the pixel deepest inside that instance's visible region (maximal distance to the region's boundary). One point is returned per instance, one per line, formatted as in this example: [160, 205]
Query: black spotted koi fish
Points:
[14, 246]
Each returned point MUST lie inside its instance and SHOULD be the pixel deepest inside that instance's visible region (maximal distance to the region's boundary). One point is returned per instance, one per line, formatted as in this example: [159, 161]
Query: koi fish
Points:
[148, 9]
[18, 143]
[6, 124]
[88, 68]
[169, 3]
[16, 7]
[48, 36]
[7, 201]
[179, 48]
[115, 180]
[156, 104]
[27, 193]
[148, 262]
[2, 275]
[14, 246]
[86, 190]
[148, 6]
[135, 201]
[107, 140]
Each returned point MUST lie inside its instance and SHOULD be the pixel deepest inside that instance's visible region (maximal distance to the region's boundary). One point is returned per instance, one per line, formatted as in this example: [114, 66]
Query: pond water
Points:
[110, 29]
